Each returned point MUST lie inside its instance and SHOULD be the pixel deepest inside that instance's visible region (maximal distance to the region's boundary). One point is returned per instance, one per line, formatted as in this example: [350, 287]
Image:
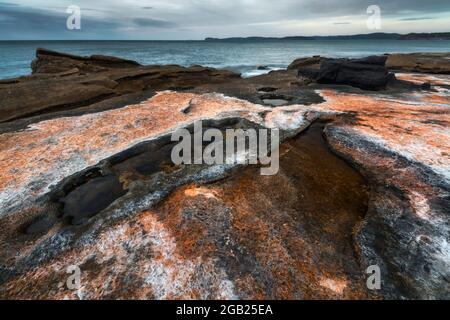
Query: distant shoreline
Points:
[370, 36]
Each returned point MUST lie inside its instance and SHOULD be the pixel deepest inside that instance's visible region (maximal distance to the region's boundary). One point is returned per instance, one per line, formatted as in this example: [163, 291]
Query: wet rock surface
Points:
[91, 198]
[363, 181]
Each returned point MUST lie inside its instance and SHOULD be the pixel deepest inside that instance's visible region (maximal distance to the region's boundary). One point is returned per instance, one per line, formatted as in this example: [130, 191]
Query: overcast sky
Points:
[197, 19]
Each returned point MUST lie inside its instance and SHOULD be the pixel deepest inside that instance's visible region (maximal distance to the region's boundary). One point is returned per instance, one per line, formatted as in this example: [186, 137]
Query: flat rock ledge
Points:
[364, 180]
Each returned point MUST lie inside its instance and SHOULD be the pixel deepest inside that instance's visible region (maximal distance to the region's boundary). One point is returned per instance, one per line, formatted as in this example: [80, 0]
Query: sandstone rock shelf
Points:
[364, 180]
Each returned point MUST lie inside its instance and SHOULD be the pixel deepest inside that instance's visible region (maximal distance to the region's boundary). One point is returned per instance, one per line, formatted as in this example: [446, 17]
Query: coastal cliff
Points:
[86, 180]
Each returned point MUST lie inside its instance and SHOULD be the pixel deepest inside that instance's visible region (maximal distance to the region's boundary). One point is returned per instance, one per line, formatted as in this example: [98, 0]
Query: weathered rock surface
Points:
[364, 180]
[420, 62]
[307, 67]
[65, 82]
[48, 61]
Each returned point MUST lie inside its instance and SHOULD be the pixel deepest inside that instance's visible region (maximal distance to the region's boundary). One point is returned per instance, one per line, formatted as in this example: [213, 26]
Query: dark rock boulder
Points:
[373, 60]
[356, 73]
[365, 73]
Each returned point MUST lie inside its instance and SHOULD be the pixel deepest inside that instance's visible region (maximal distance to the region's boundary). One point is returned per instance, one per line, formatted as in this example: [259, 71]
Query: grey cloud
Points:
[237, 12]
[8, 4]
[25, 22]
[415, 18]
[154, 23]
[388, 7]
[198, 18]
[83, 9]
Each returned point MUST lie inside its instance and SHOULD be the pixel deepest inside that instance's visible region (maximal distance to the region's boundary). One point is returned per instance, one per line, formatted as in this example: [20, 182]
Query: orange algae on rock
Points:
[294, 235]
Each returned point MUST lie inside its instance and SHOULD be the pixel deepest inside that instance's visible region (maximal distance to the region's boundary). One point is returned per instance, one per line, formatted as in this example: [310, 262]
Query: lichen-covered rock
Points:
[406, 163]
[364, 180]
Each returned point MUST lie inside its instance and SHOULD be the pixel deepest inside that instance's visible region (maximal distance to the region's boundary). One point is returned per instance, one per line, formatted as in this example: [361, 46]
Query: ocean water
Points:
[243, 57]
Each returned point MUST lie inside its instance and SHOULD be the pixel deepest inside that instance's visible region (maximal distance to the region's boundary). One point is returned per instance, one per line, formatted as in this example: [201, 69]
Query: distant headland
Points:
[369, 36]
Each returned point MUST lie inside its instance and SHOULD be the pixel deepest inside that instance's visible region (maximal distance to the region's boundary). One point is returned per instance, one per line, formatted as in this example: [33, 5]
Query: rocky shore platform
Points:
[86, 180]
